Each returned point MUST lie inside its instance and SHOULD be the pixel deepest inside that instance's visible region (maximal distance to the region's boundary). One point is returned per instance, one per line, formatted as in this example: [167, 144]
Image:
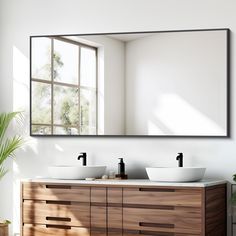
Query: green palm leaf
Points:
[8, 146]
[2, 172]
[5, 119]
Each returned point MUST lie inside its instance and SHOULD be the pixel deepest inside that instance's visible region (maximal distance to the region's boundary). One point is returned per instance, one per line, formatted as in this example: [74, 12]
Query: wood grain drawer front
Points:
[114, 195]
[114, 217]
[153, 233]
[104, 232]
[98, 195]
[41, 191]
[163, 196]
[65, 213]
[179, 220]
[114, 233]
[49, 230]
[98, 232]
[98, 217]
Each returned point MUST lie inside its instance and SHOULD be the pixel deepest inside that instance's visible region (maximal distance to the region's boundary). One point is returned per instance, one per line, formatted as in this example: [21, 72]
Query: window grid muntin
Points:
[52, 83]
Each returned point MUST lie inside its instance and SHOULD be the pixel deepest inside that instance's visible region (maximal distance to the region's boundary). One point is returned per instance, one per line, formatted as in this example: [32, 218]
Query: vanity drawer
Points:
[98, 232]
[49, 230]
[98, 217]
[114, 195]
[153, 233]
[171, 219]
[106, 217]
[163, 196]
[54, 212]
[104, 232]
[98, 195]
[41, 191]
[114, 218]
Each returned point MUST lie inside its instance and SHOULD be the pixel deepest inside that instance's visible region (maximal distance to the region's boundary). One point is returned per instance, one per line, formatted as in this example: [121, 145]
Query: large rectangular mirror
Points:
[172, 83]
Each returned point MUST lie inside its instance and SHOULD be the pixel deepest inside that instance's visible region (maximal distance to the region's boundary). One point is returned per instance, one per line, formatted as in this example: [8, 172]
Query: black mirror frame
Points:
[228, 92]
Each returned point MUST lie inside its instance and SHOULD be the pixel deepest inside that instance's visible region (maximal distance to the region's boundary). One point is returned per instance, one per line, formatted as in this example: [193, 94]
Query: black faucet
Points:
[179, 158]
[84, 157]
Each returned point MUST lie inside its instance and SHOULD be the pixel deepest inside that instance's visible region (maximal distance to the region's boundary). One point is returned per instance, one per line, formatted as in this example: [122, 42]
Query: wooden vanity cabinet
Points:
[109, 210]
[55, 209]
[106, 211]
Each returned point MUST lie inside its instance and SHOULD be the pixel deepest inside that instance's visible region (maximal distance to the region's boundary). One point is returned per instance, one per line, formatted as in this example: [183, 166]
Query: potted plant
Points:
[4, 227]
[233, 196]
[8, 146]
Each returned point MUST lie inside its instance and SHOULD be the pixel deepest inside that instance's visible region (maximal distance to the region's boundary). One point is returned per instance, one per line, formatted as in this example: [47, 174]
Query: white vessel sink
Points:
[76, 172]
[175, 174]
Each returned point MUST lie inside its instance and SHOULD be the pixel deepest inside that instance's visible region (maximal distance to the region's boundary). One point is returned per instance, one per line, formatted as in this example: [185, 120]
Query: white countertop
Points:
[130, 182]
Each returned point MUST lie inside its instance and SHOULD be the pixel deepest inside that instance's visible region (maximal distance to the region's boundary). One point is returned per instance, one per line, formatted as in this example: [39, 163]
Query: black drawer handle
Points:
[156, 233]
[143, 206]
[159, 225]
[156, 190]
[58, 186]
[58, 226]
[58, 202]
[58, 218]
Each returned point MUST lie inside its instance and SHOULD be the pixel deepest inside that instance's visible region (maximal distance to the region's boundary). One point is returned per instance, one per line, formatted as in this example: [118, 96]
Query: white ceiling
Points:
[129, 37]
[121, 37]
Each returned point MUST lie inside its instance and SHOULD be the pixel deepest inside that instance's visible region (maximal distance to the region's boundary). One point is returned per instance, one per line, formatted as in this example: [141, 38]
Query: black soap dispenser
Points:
[121, 170]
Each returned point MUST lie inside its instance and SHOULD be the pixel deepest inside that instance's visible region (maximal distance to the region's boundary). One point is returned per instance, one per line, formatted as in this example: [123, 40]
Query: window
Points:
[63, 87]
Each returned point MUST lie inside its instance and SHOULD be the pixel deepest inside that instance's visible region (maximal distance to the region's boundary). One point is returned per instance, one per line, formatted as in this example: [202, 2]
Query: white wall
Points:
[176, 84]
[19, 19]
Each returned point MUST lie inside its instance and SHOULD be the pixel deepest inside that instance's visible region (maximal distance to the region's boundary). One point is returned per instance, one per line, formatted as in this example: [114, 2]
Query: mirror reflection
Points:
[157, 84]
